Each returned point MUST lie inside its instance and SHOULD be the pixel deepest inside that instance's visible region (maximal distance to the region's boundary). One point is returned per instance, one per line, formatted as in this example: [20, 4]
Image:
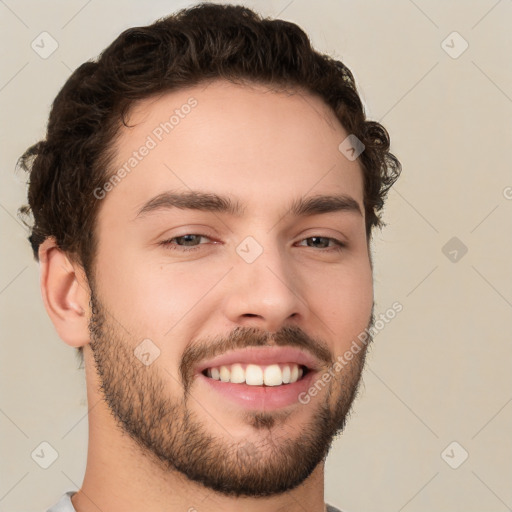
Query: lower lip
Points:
[266, 398]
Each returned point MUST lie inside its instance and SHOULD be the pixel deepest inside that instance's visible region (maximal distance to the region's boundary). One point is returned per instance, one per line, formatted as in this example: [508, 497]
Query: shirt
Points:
[65, 505]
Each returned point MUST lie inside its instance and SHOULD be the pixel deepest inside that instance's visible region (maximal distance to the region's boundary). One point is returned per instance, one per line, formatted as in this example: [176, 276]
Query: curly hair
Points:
[204, 42]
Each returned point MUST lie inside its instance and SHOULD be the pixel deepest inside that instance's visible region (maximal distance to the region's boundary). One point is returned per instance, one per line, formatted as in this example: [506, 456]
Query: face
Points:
[226, 285]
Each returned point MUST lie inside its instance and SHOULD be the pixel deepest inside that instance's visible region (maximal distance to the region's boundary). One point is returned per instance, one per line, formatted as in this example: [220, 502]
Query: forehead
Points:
[253, 143]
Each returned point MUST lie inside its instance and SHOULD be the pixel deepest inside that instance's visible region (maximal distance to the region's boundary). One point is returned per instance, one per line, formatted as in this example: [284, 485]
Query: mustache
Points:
[242, 337]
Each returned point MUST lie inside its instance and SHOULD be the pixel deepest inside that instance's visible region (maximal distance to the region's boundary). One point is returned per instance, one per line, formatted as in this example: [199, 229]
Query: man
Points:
[203, 206]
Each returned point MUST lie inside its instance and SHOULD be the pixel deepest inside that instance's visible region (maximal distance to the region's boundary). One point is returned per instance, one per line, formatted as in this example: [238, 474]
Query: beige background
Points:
[439, 372]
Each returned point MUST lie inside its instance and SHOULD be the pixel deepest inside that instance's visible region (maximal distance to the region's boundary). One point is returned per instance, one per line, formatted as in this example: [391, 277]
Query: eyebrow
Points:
[210, 202]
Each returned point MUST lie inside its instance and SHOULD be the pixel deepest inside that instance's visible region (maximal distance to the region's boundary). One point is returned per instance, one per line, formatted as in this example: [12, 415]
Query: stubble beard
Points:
[172, 430]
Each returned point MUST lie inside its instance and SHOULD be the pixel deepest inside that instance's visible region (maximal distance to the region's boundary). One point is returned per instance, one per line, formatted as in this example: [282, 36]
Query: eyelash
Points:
[174, 247]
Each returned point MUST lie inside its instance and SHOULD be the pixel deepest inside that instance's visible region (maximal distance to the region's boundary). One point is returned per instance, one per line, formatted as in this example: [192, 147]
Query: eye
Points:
[323, 240]
[189, 241]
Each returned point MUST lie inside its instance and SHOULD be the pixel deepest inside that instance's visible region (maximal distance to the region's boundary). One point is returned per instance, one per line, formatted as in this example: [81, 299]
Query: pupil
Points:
[317, 238]
[187, 238]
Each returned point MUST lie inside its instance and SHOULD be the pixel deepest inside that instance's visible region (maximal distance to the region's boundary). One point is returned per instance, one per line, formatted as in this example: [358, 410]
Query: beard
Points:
[176, 438]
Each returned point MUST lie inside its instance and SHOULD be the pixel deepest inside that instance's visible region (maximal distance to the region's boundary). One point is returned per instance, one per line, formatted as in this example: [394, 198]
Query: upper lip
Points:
[262, 356]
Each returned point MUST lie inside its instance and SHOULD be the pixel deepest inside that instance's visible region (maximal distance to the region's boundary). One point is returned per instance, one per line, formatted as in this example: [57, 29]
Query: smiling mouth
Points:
[258, 375]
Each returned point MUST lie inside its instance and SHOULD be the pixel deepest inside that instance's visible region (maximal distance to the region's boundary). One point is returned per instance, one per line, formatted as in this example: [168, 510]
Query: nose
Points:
[265, 293]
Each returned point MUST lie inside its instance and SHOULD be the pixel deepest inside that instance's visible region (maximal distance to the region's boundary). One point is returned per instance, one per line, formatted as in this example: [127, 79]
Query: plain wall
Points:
[439, 372]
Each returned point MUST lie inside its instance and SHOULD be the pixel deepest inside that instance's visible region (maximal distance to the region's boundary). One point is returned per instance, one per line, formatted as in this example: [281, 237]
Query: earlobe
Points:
[65, 294]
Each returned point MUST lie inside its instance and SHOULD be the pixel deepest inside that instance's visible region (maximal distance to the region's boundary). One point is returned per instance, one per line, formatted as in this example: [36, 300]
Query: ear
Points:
[65, 292]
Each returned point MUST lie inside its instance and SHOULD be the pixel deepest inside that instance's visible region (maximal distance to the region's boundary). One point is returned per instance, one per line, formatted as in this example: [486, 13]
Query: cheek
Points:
[343, 300]
[174, 293]
[154, 298]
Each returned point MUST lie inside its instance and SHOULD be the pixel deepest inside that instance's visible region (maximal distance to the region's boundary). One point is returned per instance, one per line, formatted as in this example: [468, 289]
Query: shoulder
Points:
[64, 504]
[330, 508]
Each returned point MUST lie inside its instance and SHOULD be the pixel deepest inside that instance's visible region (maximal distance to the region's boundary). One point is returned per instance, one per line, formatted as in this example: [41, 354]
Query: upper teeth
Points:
[256, 375]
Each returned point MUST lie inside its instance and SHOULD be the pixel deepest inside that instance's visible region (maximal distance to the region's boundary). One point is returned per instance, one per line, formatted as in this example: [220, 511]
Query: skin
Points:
[266, 149]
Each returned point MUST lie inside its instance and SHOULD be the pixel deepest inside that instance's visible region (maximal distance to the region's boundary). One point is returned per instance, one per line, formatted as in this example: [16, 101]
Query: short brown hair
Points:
[204, 42]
